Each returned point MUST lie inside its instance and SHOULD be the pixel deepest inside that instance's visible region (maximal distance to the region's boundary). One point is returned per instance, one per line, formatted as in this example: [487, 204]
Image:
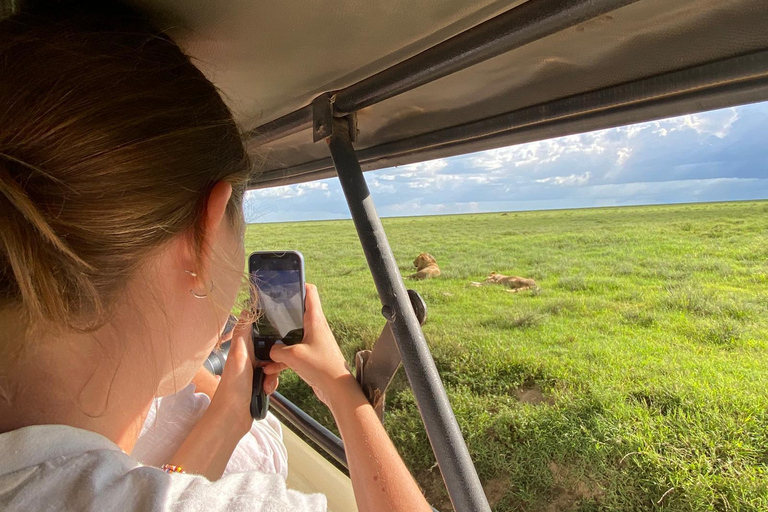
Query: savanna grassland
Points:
[634, 379]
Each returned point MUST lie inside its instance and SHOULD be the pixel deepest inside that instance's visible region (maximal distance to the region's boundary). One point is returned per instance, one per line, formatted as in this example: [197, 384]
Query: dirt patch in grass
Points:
[532, 394]
[431, 483]
[495, 489]
[432, 486]
[569, 492]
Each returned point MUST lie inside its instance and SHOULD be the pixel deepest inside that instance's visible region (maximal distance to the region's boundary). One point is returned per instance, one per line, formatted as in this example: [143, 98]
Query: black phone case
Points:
[259, 399]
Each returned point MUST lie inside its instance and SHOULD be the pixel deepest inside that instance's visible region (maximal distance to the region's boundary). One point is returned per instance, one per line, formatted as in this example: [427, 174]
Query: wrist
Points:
[342, 392]
[231, 419]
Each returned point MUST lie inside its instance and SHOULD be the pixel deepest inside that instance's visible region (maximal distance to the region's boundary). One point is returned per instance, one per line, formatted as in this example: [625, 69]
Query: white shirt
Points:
[171, 419]
[57, 467]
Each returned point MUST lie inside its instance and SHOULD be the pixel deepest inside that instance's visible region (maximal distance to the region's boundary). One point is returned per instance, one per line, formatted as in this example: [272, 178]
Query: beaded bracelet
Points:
[170, 468]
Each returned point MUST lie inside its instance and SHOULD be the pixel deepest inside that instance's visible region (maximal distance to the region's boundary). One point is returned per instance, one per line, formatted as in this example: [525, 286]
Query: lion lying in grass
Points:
[426, 267]
[515, 283]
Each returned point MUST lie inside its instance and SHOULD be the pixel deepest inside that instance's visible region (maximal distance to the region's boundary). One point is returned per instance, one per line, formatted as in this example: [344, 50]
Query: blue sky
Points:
[720, 155]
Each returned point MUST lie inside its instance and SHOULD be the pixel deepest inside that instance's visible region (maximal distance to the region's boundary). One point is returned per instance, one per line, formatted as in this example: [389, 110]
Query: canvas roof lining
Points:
[636, 41]
[633, 42]
[271, 58]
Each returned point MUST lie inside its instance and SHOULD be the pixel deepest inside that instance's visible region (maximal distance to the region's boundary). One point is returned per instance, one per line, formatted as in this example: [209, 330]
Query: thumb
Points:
[238, 359]
[312, 306]
[281, 353]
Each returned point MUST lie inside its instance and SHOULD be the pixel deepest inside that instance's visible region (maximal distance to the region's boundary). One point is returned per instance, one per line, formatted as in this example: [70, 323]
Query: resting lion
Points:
[515, 283]
[426, 265]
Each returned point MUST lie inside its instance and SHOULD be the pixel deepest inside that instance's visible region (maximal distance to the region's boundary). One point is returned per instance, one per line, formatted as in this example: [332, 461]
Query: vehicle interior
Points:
[334, 90]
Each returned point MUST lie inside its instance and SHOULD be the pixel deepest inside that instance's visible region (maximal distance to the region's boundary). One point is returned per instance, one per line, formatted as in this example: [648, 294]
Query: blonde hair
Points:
[110, 143]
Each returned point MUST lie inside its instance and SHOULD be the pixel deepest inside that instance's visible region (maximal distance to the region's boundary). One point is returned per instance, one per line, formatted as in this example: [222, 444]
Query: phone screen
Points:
[279, 302]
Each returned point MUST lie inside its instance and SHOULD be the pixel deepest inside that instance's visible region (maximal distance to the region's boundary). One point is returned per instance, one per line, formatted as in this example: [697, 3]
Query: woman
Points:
[122, 177]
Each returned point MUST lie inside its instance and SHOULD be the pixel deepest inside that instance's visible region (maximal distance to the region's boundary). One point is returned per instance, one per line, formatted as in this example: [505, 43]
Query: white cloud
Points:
[376, 185]
[287, 191]
[716, 123]
[431, 166]
[572, 180]
[623, 155]
[708, 156]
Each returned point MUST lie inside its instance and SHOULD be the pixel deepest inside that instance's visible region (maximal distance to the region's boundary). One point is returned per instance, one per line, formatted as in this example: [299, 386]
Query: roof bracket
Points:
[322, 117]
[323, 114]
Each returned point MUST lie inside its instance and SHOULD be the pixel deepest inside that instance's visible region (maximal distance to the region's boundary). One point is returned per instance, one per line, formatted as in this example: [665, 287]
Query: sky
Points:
[720, 155]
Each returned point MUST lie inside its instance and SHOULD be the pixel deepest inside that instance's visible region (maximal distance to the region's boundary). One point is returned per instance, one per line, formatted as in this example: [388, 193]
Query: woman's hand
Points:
[317, 359]
[209, 446]
[232, 398]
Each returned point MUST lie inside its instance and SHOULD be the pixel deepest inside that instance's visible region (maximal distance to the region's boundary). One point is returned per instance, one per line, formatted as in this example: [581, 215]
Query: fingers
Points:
[240, 357]
[314, 318]
[280, 353]
[312, 306]
[274, 368]
[243, 329]
[270, 383]
[237, 359]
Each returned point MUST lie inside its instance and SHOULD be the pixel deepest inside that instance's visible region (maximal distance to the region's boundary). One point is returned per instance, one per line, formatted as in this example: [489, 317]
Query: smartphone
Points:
[278, 300]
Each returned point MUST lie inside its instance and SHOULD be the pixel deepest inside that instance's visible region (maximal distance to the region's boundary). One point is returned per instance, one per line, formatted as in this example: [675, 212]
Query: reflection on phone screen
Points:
[279, 304]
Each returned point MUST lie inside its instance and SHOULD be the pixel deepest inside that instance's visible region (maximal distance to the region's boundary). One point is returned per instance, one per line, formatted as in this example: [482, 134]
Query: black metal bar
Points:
[443, 431]
[732, 81]
[512, 29]
[281, 127]
[308, 426]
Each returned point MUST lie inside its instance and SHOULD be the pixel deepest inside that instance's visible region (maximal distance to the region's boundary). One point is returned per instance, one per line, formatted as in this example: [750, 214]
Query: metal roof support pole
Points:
[451, 452]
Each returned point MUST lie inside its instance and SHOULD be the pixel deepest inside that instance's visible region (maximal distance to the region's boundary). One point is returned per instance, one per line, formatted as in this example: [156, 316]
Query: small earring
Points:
[193, 292]
[197, 295]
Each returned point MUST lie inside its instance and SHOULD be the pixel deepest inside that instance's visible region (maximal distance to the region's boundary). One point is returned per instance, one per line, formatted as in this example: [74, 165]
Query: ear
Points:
[214, 223]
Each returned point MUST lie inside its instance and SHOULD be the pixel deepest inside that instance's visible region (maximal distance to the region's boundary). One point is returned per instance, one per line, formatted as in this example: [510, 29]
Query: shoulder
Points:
[101, 477]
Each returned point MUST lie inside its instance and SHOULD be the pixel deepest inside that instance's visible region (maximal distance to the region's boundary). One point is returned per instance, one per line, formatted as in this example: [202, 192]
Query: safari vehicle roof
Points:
[516, 70]
[436, 78]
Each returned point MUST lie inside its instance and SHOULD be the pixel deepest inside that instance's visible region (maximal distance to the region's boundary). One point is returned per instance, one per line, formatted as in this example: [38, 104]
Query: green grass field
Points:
[635, 379]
